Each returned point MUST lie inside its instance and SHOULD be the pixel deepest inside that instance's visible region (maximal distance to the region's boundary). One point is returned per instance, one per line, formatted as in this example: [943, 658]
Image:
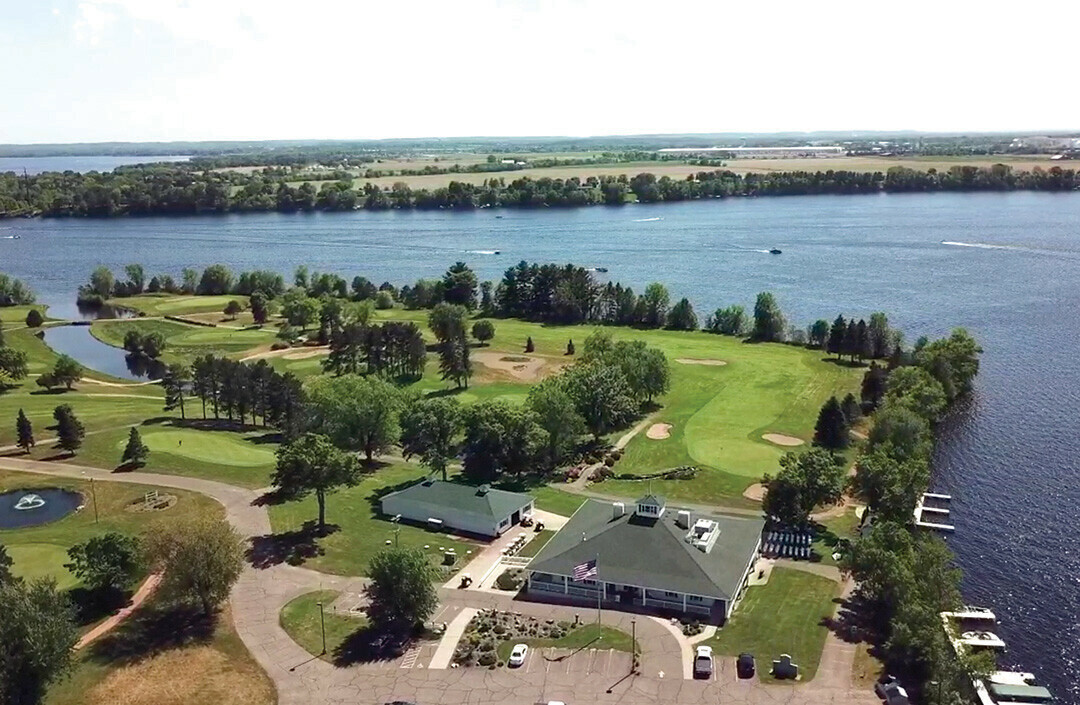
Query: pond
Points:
[22, 508]
[79, 343]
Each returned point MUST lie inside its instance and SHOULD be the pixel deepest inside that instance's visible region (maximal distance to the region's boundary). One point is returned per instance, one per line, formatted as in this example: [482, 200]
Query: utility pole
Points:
[322, 624]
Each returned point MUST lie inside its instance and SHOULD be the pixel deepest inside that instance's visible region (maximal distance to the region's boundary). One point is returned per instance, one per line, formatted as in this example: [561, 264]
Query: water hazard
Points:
[23, 508]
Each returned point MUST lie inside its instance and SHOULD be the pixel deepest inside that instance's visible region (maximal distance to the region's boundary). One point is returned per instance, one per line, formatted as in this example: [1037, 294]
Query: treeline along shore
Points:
[181, 189]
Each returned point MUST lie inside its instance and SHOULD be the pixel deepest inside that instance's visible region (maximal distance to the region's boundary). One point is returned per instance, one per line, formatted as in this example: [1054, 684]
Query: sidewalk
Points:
[445, 652]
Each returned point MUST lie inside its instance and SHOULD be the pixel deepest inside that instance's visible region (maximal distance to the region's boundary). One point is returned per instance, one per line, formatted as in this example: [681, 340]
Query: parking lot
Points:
[583, 662]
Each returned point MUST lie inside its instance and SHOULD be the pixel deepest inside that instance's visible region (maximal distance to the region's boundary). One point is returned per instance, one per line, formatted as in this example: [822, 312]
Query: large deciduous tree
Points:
[402, 593]
[805, 481]
[200, 558]
[105, 563]
[312, 464]
[356, 413]
[553, 405]
[66, 371]
[769, 323]
[429, 429]
[500, 439]
[37, 639]
[601, 396]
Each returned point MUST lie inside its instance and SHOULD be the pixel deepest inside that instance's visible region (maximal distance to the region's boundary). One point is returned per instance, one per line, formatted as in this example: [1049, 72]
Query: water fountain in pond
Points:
[35, 506]
[29, 501]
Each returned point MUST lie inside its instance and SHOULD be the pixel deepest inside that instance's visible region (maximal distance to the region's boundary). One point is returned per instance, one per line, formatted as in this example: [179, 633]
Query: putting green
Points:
[206, 447]
[41, 560]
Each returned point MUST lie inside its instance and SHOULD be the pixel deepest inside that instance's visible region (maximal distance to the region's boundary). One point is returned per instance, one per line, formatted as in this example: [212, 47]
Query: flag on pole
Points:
[584, 571]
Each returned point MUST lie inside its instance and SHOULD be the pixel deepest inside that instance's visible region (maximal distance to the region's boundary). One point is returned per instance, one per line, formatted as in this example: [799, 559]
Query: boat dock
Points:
[921, 509]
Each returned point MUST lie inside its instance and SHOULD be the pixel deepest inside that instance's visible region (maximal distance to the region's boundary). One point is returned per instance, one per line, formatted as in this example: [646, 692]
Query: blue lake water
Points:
[37, 165]
[1010, 275]
[79, 343]
[23, 508]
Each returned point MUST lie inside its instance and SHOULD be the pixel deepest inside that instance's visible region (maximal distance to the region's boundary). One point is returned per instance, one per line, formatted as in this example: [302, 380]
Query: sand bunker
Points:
[305, 354]
[527, 369]
[659, 431]
[693, 361]
[755, 492]
[782, 440]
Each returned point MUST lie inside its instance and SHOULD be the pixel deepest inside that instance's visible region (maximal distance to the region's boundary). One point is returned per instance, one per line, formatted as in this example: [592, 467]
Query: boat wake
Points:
[482, 252]
[980, 245]
[646, 220]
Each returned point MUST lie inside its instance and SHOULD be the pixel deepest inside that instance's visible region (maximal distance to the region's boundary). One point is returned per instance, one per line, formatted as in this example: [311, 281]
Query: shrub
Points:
[34, 319]
[487, 658]
[609, 461]
[511, 579]
[279, 345]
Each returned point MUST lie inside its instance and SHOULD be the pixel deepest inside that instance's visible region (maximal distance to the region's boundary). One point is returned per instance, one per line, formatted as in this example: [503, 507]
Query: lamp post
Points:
[633, 646]
[397, 528]
[322, 625]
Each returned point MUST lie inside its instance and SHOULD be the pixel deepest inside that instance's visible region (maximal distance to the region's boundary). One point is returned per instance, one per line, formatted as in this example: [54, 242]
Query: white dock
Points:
[920, 509]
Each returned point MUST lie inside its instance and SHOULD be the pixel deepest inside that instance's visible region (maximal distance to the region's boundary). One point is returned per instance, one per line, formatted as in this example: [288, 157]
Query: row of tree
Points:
[177, 189]
[13, 292]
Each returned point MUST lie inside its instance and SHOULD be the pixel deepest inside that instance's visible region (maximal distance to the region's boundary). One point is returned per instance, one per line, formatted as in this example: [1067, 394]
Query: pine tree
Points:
[454, 361]
[836, 337]
[570, 347]
[25, 432]
[529, 347]
[135, 453]
[69, 430]
[864, 346]
[851, 408]
[175, 383]
[851, 340]
[832, 428]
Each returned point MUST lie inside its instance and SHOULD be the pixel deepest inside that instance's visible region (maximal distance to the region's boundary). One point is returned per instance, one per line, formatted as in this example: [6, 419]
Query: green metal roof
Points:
[1019, 693]
[434, 495]
[652, 553]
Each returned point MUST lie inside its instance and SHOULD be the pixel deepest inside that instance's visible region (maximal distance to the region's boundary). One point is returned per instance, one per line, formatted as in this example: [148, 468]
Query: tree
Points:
[454, 362]
[682, 316]
[818, 334]
[102, 282]
[429, 429]
[136, 278]
[356, 413]
[300, 277]
[835, 344]
[24, 432]
[953, 361]
[874, 383]
[487, 302]
[105, 563]
[570, 347]
[890, 486]
[459, 285]
[384, 300]
[69, 430]
[200, 558]
[916, 389]
[135, 451]
[233, 309]
[500, 439]
[529, 347]
[655, 302]
[729, 321]
[311, 463]
[601, 396]
[852, 410]
[37, 639]
[189, 279]
[901, 432]
[260, 310]
[34, 319]
[6, 575]
[553, 406]
[483, 331]
[66, 371]
[831, 431]
[769, 324]
[447, 321]
[299, 309]
[402, 591]
[13, 363]
[880, 335]
[175, 382]
[805, 481]
[645, 368]
[216, 280]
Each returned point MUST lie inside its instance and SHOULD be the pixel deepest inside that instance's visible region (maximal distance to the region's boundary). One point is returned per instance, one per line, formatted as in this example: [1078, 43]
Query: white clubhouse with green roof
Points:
[481, 511]
[650, 557]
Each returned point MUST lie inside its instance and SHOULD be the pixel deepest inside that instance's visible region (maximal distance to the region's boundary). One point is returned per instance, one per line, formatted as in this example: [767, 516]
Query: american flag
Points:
[584, 571]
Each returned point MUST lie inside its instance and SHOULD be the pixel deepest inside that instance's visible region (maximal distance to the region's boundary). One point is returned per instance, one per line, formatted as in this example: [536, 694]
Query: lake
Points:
[1006, 266]
[37, 165]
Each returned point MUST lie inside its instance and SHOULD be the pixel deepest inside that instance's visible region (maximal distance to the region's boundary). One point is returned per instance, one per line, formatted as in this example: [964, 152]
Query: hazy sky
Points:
[96, 70]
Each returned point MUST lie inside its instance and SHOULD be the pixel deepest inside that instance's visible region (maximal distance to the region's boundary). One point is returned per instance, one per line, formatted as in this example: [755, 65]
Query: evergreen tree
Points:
[69, 430]
[459, 285]
[25, 432]
[852, 410]
[832, 428]
[682, 316]
[529, 347]
[873, 385]
[454, 363]
[851, 340]
[835, 345]
[864, 347]
[136, 451]
[570, 347]
[175, 383]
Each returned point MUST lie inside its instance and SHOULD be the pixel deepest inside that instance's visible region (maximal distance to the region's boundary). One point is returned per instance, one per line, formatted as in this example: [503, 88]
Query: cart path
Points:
[140, 596]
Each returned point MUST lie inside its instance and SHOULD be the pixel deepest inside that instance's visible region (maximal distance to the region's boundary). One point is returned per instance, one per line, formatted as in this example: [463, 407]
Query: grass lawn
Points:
[362, 531]
[781, 617]
[556, 501]
[176, 304]
[184, 342]
[588, 636]
[15, 316]
[834, 531]
[42, 560]
[214, 667]
[533, 547]
[97, 407]
[300, 620]
[242, 458]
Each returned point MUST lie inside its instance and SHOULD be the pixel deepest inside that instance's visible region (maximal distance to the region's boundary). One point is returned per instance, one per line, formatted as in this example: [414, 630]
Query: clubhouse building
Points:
[481, 511]
[649, 557]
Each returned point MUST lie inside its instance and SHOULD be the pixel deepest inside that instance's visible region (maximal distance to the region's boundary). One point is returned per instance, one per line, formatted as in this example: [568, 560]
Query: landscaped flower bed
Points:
[479, 644]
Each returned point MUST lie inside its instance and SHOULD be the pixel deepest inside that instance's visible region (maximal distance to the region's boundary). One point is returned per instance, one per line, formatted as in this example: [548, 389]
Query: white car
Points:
[703, 663]
[517, 656]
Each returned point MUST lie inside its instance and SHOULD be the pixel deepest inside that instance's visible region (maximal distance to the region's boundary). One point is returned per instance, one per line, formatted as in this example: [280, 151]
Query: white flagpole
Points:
[599, 590]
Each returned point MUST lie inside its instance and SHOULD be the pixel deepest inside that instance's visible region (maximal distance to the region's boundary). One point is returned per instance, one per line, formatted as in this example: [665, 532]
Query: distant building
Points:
[482, 511]
[756, 152]
[650, 557]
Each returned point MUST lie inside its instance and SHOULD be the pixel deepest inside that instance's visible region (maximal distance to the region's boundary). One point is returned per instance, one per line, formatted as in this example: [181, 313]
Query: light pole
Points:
[397, 528]
[633, 646]
[322, 624]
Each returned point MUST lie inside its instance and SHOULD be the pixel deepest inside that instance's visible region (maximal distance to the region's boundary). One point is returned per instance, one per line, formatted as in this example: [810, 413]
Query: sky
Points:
[160, 70]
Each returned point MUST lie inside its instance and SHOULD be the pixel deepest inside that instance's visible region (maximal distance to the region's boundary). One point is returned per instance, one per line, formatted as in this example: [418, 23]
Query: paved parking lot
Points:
[583, 662]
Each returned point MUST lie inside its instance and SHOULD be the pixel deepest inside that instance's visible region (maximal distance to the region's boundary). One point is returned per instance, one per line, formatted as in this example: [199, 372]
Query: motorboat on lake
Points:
[775, 251]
